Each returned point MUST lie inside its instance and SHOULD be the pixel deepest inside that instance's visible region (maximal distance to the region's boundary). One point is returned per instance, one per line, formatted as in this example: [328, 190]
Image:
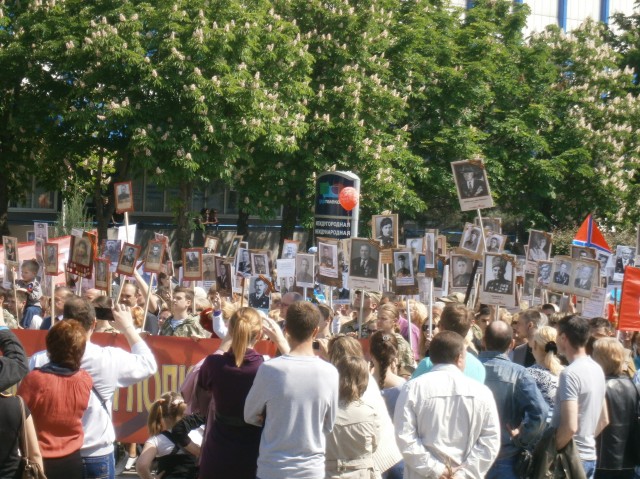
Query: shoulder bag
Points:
[29, 469]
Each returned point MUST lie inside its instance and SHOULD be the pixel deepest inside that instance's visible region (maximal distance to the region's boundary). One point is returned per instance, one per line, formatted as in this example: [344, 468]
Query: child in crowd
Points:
[175, 440]
[30, 284]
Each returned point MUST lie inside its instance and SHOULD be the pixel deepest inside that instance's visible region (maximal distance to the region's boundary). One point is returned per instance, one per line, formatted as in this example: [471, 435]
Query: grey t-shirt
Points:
[582, 381]
[298, 396]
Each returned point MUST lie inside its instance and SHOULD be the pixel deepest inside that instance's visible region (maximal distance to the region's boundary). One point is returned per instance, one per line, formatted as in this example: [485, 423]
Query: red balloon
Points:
[348, 198]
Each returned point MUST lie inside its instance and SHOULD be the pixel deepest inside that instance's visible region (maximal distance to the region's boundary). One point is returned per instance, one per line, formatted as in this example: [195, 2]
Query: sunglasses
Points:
[425, 327]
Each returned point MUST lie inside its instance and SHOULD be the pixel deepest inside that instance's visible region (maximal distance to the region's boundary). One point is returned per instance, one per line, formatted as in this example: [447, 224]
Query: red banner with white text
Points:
[175, 358]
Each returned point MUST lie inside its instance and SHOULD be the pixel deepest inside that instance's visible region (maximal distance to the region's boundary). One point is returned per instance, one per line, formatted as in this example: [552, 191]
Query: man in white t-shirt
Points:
[581, 411]
[110, 368]
[295, 398]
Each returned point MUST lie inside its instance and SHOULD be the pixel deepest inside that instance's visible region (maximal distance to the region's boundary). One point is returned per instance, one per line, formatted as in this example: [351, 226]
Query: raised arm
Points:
[13, 363]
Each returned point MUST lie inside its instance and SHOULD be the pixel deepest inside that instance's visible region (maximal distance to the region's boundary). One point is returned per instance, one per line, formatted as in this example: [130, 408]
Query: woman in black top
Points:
[616, 447]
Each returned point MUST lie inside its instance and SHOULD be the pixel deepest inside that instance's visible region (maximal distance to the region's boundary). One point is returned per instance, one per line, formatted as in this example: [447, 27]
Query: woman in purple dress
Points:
[230, 447]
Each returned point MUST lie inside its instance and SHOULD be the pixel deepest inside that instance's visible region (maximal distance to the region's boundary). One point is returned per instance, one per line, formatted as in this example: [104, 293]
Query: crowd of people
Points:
[461, 392]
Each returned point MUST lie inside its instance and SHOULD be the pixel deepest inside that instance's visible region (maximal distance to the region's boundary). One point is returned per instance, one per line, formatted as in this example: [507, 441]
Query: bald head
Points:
[498, 336]
[92, 294]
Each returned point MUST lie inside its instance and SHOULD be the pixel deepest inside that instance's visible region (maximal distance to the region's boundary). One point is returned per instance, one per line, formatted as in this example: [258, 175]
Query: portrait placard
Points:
[538, 249]
[586, 277]
[603, 258]
[128, 259]
[582, 252]
[102, 274]
[233, 246]
[111, 250]
[543, 274]
[261, 262]
[364, 265]
[472, 185]
[243, 262]
[385, 230]
[51, 259]
[223, 276]
[561, 274]
[123, 193]
[471, 242]
[441, 246]
[491, 225]
[625, 256]
[289, 249]
[461, 267]
[416, 245]
[208, 270]
[404, 275]
[498, 280]
[81, 255]
[41, 231]
[259, 296]
[211, 244]
[529, 287]
[10, 245]
[192, 264]
[328, 262]
[495, 243]
[155, 254]
[595, 306]
[430, 249]
[305, 270]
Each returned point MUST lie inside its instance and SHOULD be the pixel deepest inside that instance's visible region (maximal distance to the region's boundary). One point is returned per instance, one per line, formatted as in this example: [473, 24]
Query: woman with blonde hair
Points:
[175, 453]
[356, 431]
[616, 446]
[231, 445]
[547, 368]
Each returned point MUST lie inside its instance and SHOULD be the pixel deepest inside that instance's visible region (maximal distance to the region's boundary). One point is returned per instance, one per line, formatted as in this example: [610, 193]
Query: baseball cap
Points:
[453, 298]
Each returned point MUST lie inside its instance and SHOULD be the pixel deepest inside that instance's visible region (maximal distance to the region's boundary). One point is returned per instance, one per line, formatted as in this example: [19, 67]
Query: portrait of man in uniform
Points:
[259, 298]
[499, 283]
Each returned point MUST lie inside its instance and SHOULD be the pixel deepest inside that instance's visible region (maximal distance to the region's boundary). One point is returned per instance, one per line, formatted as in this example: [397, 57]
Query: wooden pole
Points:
[430, 298]
[126, 225]
[15, 292]
[53, 301]
[406, 300]
[146, 303]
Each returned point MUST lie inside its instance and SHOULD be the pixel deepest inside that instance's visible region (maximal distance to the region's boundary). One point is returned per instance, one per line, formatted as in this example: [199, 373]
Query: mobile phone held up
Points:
[316, 345]
[104, 314]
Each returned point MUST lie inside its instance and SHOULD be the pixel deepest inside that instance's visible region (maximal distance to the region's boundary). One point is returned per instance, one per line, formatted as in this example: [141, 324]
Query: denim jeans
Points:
[99, 467]
[503, 469]
[589, 468]
[28, 314]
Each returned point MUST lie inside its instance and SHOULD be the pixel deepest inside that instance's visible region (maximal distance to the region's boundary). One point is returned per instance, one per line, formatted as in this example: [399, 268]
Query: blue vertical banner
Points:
[331, 219]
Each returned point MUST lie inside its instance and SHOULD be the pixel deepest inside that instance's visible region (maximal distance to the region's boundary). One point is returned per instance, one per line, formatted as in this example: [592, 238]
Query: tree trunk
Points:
[243, 223]
[4, 205]
[104, 210]
[288, 225]
[183, 216]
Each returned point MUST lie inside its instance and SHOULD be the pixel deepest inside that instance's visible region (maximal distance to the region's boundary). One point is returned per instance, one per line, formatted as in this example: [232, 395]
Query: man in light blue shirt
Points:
[458, 318]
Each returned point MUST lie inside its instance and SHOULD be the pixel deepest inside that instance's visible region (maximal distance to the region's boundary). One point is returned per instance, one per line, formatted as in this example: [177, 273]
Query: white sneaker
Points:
[131, 462]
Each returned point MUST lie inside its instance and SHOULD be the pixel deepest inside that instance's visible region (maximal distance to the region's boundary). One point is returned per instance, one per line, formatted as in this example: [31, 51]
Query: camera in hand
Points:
[104, 313]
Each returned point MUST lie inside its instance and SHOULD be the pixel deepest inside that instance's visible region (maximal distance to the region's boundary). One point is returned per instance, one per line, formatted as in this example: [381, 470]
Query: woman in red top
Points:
[58, 395]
